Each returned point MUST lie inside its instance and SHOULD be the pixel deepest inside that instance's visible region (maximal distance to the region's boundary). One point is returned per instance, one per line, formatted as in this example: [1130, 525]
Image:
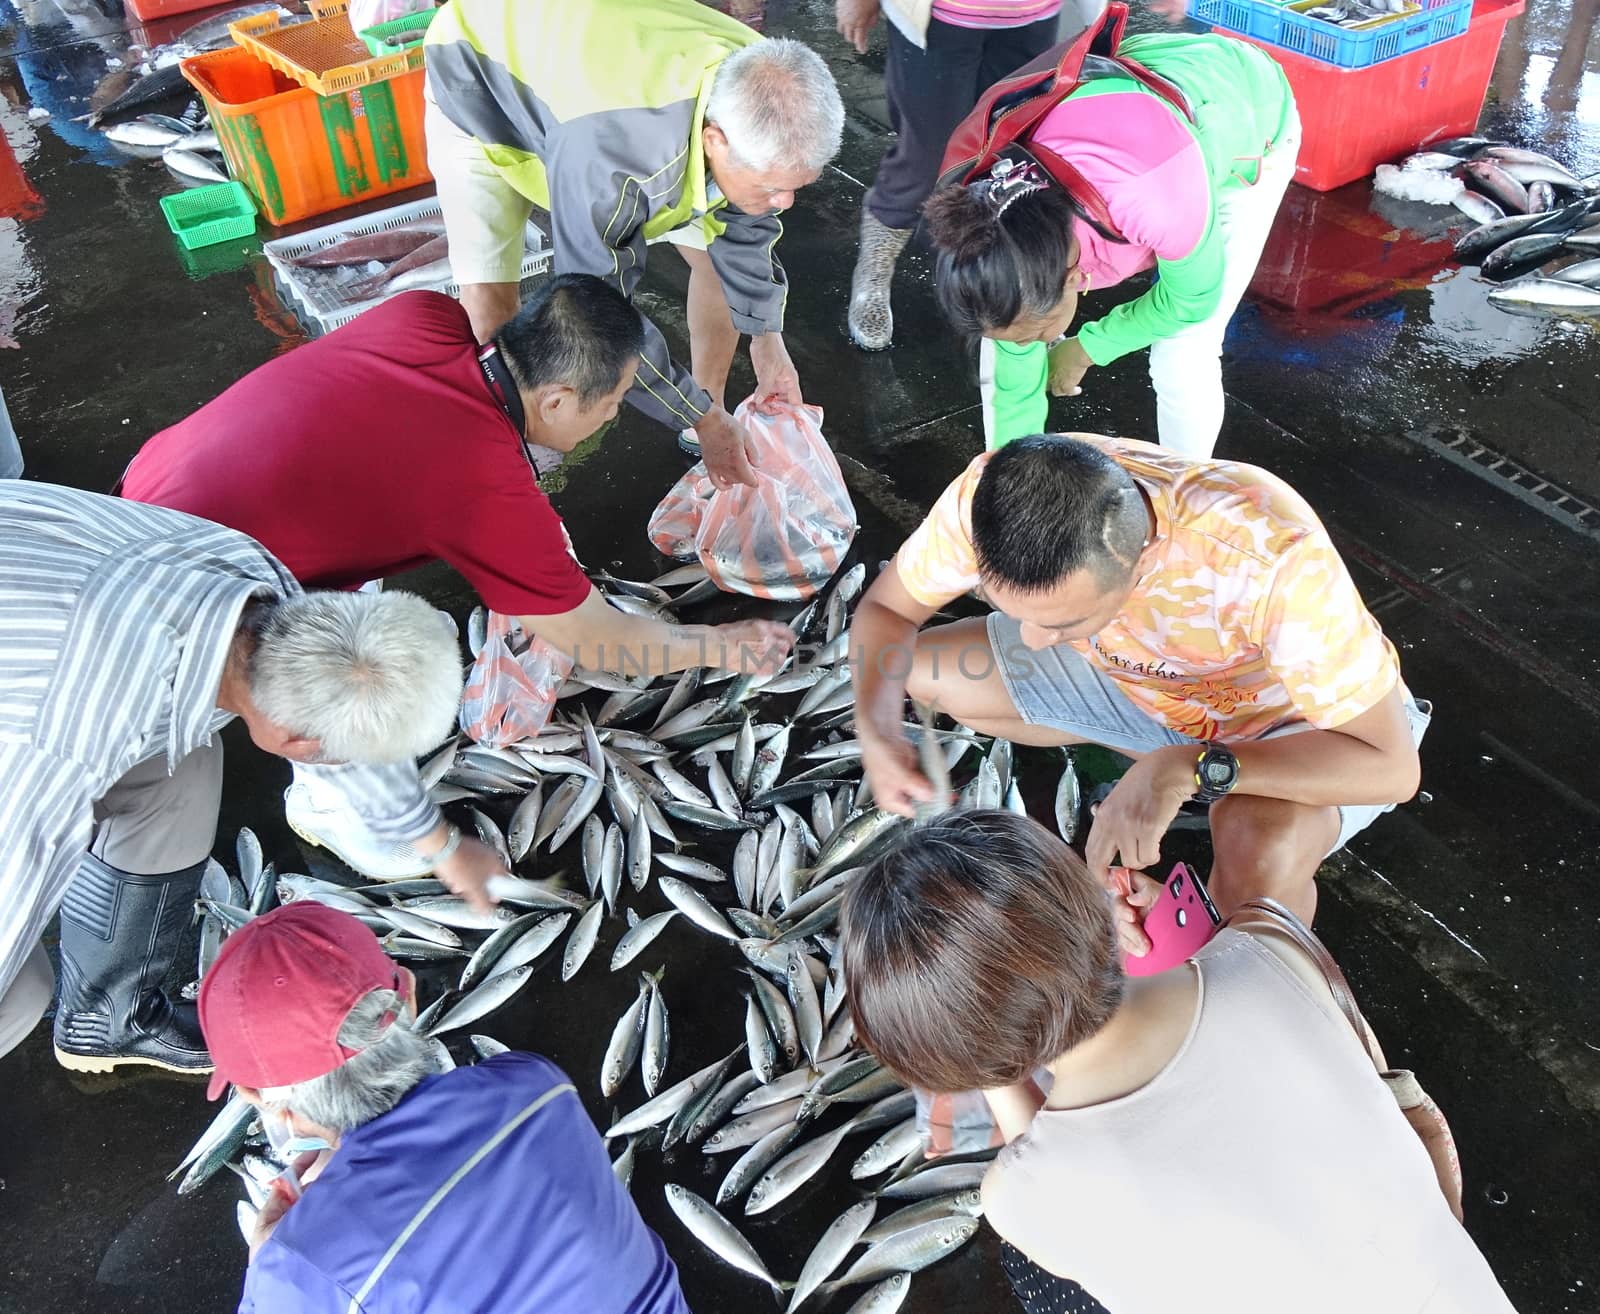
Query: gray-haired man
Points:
[129, 635]
[631, 123]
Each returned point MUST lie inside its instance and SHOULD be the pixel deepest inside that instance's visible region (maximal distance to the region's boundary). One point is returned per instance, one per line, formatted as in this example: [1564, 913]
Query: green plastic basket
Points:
[204, 216]
[373, 37]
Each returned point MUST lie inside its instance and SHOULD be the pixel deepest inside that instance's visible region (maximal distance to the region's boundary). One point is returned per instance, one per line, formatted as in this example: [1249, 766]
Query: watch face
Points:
[1218, 773]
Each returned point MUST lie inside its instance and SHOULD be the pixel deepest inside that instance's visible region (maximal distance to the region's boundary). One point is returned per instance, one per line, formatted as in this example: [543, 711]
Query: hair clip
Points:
[1009, 181]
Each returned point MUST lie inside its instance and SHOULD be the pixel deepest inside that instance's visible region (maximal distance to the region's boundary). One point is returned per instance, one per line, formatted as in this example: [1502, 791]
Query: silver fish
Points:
[588, 796]
[681, 576]
[719, 1103]
[935, 1207]
[657, 1039]
[451, 910]
[696, 907]
[690, 718]
[884, 1298]
[744, 757]
[1584, 271]
[547, 895]
[420, 927]
[756, 1160]
[1547, 296]
[580, 944]
[680, 786]
[405, 946]
[555, 810]
[793, 1171]
[769, 762]
[639, 851]
[186, 162]
[524, 823]
[750, 1128]
[722, 788]
[1069, 802]
[694, 868]
[627, 1039]
[639, 937]
[888, 1150]
[910, 1251]
[247, 848]
[778, 1014]
[772, 959]
[516, 944]
[807, 1007]
[136, 132]
[717, 1234]
[758, 1040]
[937, 1180]
[678, 699]
[709, 818]
[787, 1087]
[487, 1047]
[485, 999]
[830, 1250]
[622, 1165]
[745, 867]
[611, 865]
[664, 1105]
[218, 1144]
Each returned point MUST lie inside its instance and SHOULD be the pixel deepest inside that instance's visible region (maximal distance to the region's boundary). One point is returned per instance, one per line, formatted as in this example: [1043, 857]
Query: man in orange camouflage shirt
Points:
[1193, 615]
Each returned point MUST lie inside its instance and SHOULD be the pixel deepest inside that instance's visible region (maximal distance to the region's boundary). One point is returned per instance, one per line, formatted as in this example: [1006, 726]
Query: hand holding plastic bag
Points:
[783, 537]
[512, 687]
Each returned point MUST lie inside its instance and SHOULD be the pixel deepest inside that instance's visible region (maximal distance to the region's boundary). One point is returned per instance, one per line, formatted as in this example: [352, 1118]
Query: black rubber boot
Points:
[119, 936]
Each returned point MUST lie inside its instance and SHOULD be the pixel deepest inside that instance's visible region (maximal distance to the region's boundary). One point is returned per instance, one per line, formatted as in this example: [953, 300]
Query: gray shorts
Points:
[1060, 688]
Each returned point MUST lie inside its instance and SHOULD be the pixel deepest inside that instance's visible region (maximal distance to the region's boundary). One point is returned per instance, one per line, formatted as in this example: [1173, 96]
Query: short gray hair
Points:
[393, 1059]
[777, 105]
[375, 678]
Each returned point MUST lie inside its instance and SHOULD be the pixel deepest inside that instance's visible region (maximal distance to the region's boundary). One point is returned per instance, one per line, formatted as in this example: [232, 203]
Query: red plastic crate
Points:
[153, 9]
[1430, 94]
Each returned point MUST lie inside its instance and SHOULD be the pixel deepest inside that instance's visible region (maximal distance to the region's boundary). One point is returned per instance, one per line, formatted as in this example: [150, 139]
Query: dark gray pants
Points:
[930, 91]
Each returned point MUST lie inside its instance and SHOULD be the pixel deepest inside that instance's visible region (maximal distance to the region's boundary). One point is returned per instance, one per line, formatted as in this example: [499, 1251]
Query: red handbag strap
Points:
[1006, 115]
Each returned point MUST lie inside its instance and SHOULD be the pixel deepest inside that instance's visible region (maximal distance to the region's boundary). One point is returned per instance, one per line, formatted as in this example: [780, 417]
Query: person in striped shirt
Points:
[943, 55]
[129, 635]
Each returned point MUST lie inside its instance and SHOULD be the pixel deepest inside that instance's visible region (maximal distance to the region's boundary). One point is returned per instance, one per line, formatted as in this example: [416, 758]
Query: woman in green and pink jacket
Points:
[1195, 200]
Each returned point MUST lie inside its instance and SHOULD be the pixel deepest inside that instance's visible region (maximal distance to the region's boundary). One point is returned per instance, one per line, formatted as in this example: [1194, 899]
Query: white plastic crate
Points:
[324, 298]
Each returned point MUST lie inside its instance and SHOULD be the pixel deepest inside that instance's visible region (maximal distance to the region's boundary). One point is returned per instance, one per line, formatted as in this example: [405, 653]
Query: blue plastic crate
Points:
[1283, 26]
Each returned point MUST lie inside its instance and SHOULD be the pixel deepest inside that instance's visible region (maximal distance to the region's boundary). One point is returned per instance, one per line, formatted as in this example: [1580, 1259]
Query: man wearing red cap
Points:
[487, 1185]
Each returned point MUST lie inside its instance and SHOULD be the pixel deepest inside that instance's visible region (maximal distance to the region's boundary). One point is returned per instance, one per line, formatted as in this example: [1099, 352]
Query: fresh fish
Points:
[696, 907]
[516, 944]
[627, 1039]
[690, 718]
[694, 868]
[389, 244]
[664, 1105]
[1547, 296]
[454, 911]
[683, 690]
[421, 927]
[851, 582]
[580, 944]
[588, 797]
[218, 1144]
[442, 1061]
[681, 576]
[187, 163]
[425, 255]
[707, 818]
[807, 1007]
[639, 937]
[485, 999]
[639, 851]
[756, 1160]
[407, 947]
[1430, 159]
[139, 133]
[831, 1249]
[856, 841]
[555, 811]
[545, 895]
[525, 824]
[888, 1150]
[1477, 207]
[793, 1171]
[1529, 167]
[744, 757]
[1069, 802]
[884, 1298]
[758, 1040]
[937, 1180]
[790, 1086]
[745, 867]
[1541, 196]
[822, 822]
[1584, 271]
[720, 1103]
[680, 786]
[1499, 186]
[487, 1047]
[718, 1235]
[611, 861]
[1463, 148]
[156, 86]
[723, 793]
[657, 1038]
[910, 1251]
[778, 1014]
[247, 848]
[751, 1127]
[1520, 255]
[935, 1207]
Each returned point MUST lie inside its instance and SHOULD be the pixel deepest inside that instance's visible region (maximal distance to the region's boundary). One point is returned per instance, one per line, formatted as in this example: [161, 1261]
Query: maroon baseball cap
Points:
[272, 1004]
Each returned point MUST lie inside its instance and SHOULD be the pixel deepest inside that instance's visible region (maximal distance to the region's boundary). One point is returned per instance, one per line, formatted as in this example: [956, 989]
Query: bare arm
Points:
[1014, 1107]
[883, 646]
[599, 636]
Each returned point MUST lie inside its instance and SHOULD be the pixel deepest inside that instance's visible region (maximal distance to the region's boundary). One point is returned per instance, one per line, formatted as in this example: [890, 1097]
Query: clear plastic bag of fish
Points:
[782, 538]
[512, 686]
[961, 1122]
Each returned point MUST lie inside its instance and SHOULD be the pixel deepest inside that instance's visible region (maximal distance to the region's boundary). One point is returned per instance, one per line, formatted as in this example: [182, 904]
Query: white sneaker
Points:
[346, 836]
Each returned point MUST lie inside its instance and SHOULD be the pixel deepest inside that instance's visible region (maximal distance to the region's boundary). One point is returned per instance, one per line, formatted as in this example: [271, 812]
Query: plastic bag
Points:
[783, 538]
[512, 686]
[369, 13]
[961, 1123]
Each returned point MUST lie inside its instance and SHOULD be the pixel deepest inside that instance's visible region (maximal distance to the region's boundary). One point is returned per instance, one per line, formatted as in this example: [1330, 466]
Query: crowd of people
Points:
[1190, 613]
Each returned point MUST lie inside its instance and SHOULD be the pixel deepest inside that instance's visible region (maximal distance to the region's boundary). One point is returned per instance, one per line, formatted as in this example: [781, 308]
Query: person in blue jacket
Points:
[483, 1188]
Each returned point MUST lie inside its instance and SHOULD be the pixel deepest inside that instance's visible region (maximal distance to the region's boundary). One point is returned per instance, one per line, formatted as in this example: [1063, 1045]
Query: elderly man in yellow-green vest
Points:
[632, 122]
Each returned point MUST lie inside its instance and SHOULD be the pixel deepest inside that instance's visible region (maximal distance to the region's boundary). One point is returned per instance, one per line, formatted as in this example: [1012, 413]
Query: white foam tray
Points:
[322, 298]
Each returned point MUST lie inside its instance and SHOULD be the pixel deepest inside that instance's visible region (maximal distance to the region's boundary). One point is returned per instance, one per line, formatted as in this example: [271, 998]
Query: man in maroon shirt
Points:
[396, 441]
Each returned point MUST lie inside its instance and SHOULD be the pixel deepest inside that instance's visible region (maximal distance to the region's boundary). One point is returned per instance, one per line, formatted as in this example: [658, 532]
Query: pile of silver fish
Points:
[1535, 217]
[187, 144]
[1358, 13]
[620, 792]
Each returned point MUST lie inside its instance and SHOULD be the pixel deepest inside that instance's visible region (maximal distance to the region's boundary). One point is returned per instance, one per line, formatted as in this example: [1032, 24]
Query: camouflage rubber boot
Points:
[871, 320]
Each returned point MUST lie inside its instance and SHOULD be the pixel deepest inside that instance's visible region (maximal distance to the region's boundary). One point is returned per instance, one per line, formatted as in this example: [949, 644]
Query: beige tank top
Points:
[1265, 1170]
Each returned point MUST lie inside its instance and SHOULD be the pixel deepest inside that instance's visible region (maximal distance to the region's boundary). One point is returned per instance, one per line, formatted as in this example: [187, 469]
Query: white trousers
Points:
[1186, 368]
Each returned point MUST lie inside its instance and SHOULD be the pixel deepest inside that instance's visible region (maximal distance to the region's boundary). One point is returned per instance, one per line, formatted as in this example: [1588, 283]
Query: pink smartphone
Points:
[1179, 922]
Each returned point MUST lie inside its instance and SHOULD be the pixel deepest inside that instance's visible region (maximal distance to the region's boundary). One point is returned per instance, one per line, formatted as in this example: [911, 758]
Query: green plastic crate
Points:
[373, 36]
[204, 216]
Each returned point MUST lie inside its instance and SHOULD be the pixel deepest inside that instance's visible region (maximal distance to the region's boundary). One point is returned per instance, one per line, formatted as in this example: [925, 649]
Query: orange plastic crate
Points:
[324, 54]
[302, 154]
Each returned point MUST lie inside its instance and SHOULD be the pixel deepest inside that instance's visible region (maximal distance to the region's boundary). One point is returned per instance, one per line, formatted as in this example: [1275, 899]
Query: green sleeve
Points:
[1011, 381]
[1187, 292]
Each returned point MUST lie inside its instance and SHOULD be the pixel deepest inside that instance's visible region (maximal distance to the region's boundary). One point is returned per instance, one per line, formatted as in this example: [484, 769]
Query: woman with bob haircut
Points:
[1215, 1138]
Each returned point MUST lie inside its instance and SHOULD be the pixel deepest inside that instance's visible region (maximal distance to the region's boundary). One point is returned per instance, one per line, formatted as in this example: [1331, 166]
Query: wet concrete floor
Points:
[1450, 448]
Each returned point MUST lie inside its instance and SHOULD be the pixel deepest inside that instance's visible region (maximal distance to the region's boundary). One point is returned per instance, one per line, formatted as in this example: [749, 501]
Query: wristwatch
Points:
[1216, 772]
